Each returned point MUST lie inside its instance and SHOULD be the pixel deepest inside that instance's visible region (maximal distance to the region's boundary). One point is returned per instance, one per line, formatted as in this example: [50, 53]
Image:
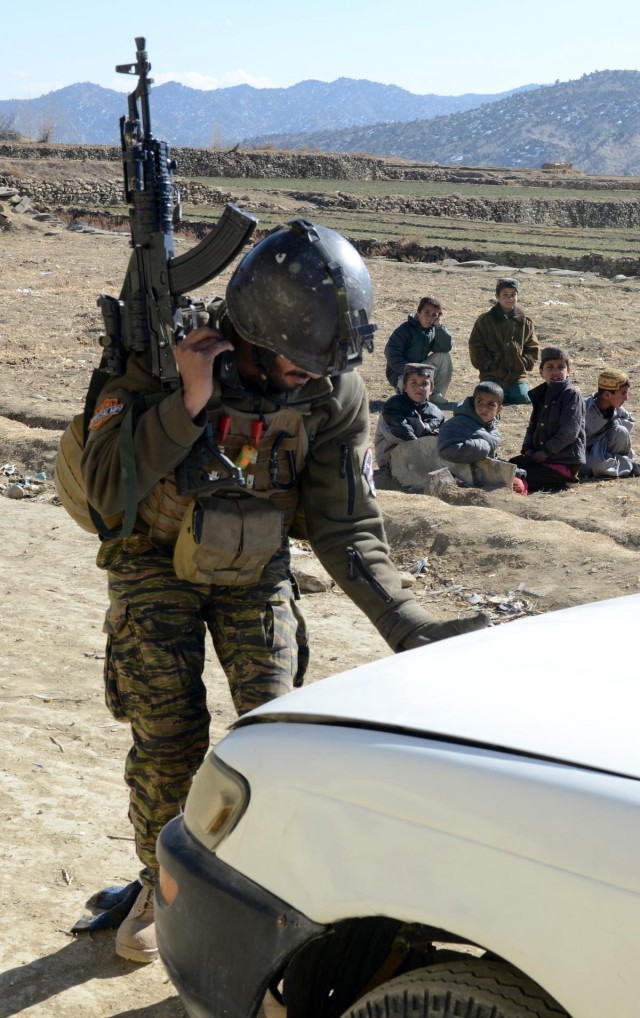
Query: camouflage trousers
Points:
[156, 626]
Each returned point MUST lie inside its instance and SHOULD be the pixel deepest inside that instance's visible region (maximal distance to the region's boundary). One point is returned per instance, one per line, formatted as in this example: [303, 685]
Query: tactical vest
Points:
[228, 537]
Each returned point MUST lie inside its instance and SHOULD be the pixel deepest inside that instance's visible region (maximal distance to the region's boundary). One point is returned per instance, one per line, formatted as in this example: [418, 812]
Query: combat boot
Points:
[430, 632]
[136, 936]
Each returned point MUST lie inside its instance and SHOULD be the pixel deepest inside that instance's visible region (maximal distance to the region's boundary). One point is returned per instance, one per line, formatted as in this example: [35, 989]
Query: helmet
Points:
[304, 292]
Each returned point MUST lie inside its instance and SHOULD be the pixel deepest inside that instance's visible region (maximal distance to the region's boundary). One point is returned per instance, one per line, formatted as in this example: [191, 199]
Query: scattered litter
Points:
[474, 598]
[49, 695]
[94, 653]
[22, 486]
[419, 566]
[566, 303]
[66, 876]
[56, 743]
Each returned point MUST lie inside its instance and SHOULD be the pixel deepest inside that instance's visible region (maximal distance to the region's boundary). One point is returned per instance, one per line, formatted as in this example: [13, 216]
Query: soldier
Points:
[273, 381]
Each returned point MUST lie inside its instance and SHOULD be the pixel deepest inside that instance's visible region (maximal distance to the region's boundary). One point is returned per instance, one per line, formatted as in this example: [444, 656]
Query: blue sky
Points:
[447, 48]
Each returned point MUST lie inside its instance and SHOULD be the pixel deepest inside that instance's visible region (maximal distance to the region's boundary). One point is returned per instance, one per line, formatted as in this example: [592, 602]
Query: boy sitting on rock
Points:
[472, 435]
[408, 415]
[608, 427]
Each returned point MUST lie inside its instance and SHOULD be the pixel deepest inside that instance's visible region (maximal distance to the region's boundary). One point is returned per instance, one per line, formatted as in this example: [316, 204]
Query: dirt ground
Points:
[64, 803]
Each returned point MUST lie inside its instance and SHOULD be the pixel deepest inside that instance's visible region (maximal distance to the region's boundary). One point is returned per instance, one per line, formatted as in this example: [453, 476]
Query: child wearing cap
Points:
[608, 428]
[553, 450]
[409, 414]
[503, 344]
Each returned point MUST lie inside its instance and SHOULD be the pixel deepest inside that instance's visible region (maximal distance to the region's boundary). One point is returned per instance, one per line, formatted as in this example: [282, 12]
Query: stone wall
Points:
[570, 212]
[208, 163]
[567, 212]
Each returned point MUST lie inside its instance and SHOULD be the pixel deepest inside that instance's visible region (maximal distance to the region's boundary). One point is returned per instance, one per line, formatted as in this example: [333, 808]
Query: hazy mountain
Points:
[87, 113]
[593, 122]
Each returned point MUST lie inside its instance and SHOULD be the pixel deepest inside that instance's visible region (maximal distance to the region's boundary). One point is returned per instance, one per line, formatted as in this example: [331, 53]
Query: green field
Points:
[511, 243]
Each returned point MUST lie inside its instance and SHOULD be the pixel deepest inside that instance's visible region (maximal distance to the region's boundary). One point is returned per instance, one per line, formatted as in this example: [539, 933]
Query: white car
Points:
[450, 831]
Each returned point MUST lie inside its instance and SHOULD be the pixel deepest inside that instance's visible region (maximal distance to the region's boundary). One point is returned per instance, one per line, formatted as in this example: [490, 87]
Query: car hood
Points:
[563, 686]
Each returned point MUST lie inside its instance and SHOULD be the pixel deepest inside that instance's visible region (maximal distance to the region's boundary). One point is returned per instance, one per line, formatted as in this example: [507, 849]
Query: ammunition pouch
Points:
[228, 540]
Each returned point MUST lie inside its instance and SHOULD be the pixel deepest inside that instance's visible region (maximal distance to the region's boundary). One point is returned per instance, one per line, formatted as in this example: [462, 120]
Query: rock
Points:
[437, 480]
[24, 204]
[412, 461]
[494, 474]
[619, 279]
[407, 580]
[563, 272]
[477, 264]
[15, 491]
[312, 577]
[440, 544]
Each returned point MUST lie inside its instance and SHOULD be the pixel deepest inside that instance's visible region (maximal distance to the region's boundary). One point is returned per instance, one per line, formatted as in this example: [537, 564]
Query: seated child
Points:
[554, 444]
[472, 433]
[408, 415]
[608, 428]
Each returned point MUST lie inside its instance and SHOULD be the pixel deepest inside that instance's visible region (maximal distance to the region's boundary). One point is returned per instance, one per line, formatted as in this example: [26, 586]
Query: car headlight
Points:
[217, 799]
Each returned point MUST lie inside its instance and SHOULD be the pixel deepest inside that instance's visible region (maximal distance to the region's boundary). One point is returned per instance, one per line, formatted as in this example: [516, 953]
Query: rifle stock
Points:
[153, 311]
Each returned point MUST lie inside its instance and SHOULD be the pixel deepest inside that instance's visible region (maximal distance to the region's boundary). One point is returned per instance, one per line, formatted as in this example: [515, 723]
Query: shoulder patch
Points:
[367, 471]
[109, 408]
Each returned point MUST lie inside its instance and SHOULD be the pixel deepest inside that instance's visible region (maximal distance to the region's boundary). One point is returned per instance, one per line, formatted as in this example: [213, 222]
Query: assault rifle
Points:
[153, 312]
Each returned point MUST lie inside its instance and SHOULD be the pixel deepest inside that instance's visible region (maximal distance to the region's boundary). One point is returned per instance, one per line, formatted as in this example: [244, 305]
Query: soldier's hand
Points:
[430, 632]
[195, 355]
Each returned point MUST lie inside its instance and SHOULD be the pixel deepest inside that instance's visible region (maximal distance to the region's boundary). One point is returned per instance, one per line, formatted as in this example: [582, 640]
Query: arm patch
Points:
[367, 471]
[109, 408]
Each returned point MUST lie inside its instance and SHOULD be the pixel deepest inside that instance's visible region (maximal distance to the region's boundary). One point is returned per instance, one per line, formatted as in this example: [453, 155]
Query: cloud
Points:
[205, 82]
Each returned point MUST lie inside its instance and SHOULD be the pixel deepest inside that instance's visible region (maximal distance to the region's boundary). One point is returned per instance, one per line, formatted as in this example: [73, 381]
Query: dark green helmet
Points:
[304, 292]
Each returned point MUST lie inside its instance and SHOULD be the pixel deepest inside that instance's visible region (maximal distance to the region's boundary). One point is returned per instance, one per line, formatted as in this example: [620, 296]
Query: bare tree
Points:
[48, 124]
[7, 127]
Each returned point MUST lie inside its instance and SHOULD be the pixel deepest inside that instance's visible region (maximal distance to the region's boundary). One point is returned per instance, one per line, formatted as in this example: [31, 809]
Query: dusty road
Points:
[64, 827]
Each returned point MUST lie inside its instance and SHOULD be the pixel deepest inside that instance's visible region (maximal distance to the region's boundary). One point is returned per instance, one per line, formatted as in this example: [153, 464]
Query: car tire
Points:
[473, 988]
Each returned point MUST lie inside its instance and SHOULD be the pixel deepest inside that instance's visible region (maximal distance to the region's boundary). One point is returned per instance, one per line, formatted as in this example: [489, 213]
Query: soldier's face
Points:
[285, 375]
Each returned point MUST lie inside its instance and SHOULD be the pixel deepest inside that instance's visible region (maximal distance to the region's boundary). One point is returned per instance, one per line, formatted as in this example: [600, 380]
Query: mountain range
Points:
[89, 114]
[592, 122]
